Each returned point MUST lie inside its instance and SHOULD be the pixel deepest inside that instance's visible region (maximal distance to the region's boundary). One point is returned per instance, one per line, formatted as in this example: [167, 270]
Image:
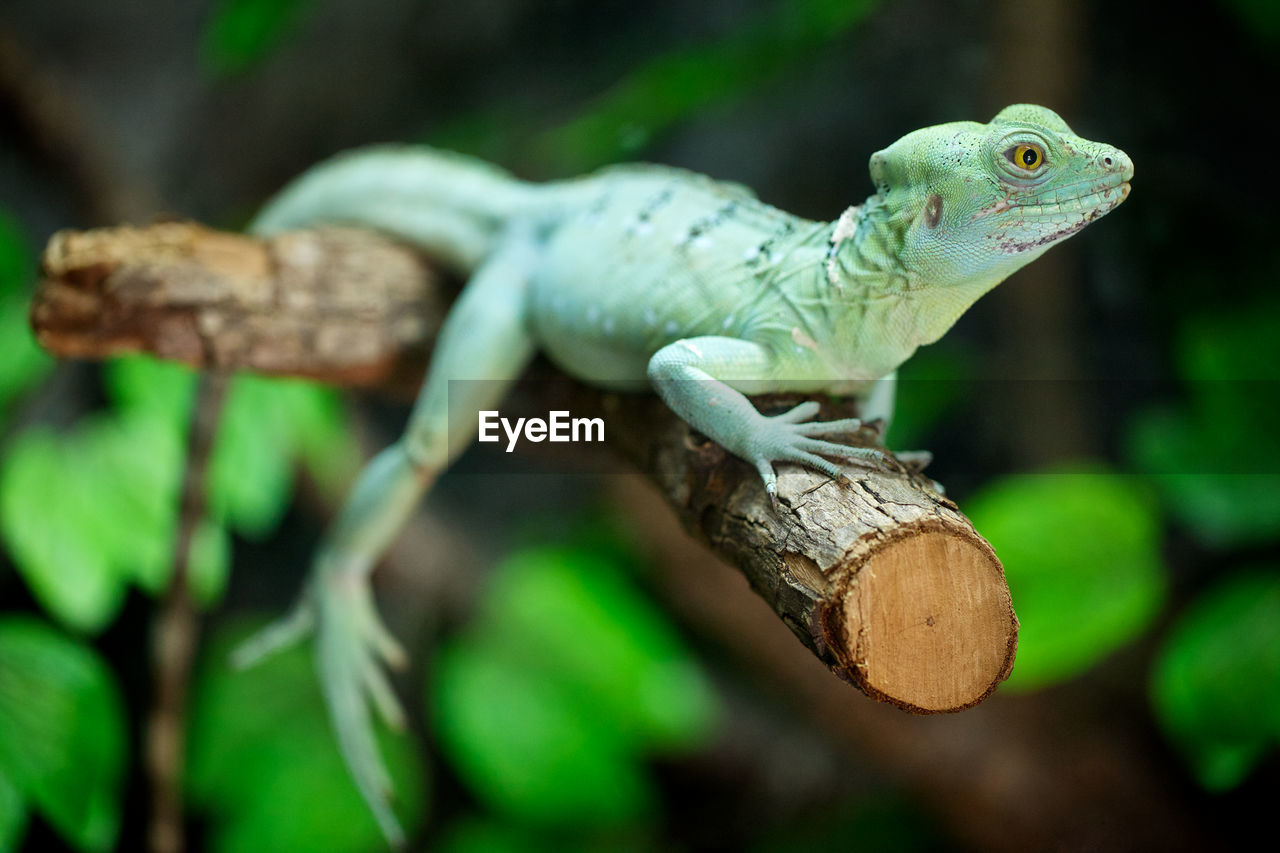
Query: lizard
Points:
[648, 275]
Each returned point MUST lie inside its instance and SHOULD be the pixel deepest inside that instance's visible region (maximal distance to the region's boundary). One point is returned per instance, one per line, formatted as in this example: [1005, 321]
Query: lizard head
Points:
[969, 203]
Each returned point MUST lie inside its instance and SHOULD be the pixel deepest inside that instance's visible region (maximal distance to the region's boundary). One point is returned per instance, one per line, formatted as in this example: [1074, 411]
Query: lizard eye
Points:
[1028, 157]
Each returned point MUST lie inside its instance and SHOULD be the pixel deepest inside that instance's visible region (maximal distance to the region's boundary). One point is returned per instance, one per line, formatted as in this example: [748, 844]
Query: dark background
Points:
[130, 111]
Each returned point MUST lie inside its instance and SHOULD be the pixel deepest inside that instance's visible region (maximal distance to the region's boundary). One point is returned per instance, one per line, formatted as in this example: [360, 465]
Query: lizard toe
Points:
[843, 425]
[802, 412]
[865, 455]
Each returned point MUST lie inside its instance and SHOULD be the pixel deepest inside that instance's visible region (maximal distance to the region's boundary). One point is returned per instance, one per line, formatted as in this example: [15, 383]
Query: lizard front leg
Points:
[485, 339]
[691, 376]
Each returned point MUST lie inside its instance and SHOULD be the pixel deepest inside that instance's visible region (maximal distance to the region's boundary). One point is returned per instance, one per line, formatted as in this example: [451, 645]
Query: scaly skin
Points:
[650, 275]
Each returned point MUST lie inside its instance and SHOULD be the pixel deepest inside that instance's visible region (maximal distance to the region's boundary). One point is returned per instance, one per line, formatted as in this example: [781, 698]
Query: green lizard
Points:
[650, 274]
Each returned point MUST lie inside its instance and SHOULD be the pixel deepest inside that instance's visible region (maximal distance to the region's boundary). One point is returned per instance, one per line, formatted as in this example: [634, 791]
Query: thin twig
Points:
[174, 639]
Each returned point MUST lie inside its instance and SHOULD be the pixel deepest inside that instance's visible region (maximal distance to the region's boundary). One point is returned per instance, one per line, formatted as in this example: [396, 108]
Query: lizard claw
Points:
[352, 647]
[916, 460]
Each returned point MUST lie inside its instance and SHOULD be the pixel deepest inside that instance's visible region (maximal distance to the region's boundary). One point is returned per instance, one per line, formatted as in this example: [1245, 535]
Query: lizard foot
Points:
[787, 438]
[352, 649]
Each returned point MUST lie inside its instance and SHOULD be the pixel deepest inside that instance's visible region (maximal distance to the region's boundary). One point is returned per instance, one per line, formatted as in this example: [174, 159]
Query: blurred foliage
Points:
[663, 91]
[873, 822]
[1082, 556]
[22, 362]
[242, 33]
[114, 481]
[263, 760]
[116, 476]
[1216, 680]
[591, 680]
[931, 385]
[1216, 457]
[486, 835]
[62, 737]
[1261, 18]
[13, 814]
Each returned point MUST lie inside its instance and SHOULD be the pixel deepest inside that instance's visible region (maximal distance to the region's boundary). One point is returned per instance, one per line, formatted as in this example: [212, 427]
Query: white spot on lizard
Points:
[691, 348]
[802, 339]
[846, 227]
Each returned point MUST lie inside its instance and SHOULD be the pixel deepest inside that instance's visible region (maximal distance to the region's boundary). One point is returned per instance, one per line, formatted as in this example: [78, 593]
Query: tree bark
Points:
[884, 580]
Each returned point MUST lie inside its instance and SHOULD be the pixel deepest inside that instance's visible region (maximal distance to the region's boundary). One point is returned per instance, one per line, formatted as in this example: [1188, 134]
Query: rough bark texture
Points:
[331, 304]
[883, 579]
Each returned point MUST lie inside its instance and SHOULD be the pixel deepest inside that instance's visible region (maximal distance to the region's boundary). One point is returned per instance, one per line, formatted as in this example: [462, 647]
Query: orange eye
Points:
[1028, 157]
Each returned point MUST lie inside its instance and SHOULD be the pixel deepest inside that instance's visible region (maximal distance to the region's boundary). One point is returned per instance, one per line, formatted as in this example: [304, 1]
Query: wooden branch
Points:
[335, 304]
[884, 580]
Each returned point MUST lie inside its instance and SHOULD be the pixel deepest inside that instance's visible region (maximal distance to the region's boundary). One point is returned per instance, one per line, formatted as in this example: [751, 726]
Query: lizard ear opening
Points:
[933, 211]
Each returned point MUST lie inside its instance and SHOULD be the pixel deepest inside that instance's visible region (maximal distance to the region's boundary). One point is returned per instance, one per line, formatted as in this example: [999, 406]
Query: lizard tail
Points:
[450, 205]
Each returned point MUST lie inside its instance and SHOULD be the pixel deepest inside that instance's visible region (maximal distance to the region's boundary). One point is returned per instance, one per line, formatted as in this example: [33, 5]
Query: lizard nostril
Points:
[1108, 162]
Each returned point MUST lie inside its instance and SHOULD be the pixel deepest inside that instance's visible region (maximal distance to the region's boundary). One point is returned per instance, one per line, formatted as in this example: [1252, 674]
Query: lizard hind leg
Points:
[485, 342]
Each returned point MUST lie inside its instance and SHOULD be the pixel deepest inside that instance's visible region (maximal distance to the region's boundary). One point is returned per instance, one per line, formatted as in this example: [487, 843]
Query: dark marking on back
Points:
[656, 203]
[706, 223]
[762, 253]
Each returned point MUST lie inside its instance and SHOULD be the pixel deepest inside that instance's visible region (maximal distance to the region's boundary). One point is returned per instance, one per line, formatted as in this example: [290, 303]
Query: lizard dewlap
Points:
[651, 276]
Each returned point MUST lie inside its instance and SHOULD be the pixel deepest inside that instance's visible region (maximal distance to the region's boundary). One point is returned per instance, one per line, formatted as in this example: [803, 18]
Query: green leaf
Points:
[114, 482]
[574, 613]
[71, 577]
[592, 680]
[244, 32]
[128, 470]
[476, 835]
[529, 747]
[1216, 680]
[141, 384]
[266, 425]
[16, 267]
[1081, 552]
[13, 814]
[1215, 458]
[62, 732]
[318, 426]
[210, 562]
[472, 834]
[264, 764]
[22, 362]
[929, 385]
[116, 478]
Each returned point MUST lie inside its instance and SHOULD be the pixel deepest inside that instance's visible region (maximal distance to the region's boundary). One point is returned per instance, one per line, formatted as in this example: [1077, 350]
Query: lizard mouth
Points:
[1057, 215]
[1076, 198]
